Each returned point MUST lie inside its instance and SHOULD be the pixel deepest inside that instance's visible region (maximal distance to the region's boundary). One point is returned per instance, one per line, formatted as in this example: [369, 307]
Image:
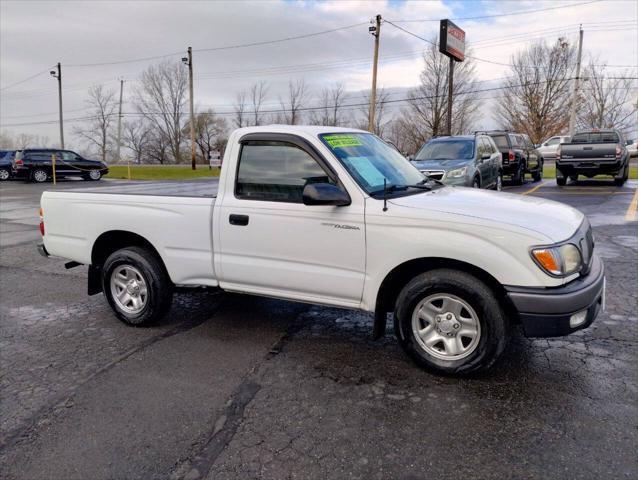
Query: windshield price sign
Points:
[452, 41]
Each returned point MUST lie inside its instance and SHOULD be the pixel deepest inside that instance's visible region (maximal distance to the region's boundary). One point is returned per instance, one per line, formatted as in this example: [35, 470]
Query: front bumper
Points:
[546, 312]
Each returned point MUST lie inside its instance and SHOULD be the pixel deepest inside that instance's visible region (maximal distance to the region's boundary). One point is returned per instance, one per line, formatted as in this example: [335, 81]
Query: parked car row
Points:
[37, 165]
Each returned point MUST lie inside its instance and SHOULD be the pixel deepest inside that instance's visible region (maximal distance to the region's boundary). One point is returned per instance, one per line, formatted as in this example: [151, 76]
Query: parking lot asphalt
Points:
[236, 387]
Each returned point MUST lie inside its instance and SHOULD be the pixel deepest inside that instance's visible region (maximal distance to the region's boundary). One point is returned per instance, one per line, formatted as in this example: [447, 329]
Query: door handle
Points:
[240, 220]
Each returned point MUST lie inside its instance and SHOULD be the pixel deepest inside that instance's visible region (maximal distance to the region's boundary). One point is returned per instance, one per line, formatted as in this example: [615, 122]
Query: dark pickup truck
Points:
[591, 153]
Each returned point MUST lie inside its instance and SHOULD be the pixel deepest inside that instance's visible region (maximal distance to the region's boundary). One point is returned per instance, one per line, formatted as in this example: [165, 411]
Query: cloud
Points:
[36, 35]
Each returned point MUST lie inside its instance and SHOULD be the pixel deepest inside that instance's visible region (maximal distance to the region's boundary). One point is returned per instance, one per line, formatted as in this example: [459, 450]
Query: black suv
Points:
[519, 155]
[37, 165]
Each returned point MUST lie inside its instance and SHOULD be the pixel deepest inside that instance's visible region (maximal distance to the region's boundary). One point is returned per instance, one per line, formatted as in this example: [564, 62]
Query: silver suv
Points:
[465, 160]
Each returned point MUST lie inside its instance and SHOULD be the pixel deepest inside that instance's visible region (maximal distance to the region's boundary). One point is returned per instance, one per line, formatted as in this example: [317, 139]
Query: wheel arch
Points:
[109, 242]
[399, 276]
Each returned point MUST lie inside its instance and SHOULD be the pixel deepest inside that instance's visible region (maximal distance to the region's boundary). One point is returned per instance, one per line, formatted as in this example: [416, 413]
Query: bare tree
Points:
[607, 102]
[161, 98]
[159, 149]
[240, 119]
[209, 130]
[297, 97]
[97, 131]
[426, 113]
[7, 141]
[330, 111]
[257, 97]
[381, 116]
[137, 136]
[28, 140]
[536, 97]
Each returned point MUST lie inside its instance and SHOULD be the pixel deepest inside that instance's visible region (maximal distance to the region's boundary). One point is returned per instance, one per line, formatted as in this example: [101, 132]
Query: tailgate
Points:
[588, 151]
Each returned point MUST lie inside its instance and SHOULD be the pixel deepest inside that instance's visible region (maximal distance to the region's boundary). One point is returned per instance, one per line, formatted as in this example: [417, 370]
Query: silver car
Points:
[549, 147]
[468, 160]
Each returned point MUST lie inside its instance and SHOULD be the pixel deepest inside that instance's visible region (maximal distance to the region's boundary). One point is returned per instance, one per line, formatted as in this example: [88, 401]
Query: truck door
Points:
[273, 244]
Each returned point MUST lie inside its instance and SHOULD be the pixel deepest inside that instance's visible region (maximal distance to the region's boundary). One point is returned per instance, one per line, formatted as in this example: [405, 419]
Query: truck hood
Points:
[546, 217]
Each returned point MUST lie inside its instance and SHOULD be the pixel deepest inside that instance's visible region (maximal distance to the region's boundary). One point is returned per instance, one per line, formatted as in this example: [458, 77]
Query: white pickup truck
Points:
[337, 217]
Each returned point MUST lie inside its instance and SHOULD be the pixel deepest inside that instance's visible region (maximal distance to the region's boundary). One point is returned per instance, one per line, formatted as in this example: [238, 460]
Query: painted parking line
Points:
[532, 190]
[632, 210]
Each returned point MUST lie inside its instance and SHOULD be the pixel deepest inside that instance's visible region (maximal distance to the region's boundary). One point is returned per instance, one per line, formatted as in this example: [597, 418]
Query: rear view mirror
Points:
[325, 194]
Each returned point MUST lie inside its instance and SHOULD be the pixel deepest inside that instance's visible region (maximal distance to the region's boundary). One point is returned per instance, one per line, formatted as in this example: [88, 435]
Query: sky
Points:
[99, 42]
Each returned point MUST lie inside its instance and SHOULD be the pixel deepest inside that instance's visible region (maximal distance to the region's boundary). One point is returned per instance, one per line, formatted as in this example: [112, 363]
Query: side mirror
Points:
[325, 194]
[486, 156]
[411, 158]
[629, 142]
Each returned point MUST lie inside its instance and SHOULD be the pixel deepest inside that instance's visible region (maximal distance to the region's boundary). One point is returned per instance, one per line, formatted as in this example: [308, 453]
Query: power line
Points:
[26, 79]
[507, 14]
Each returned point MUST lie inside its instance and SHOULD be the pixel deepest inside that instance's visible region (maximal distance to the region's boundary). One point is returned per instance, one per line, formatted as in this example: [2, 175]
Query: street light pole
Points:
[189, 61]
[572, 113]
[58, 75]
[119, 122]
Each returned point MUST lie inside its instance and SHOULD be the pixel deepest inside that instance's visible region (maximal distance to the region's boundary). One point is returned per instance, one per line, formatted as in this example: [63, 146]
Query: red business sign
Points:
[452, 41]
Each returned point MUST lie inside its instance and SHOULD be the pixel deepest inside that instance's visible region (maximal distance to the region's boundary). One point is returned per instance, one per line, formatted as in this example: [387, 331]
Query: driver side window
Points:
[276, 172]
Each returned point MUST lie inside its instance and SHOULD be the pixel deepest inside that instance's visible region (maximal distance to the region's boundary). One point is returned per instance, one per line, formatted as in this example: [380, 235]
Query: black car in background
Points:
[6, 156]
[519, 155]
[36, 164]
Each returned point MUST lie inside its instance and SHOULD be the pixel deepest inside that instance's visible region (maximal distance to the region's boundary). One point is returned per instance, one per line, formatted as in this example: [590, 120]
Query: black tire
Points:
[494, 328]
[158, 285]
[519, 176]
[93, 175]
[561, 181]
[5, 174]
[537, 176]
[498, 185]
[39, 175]
[620, 181]
[476, 183]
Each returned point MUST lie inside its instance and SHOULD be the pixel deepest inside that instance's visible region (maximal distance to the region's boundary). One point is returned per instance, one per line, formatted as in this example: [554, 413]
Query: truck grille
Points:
[435, 174]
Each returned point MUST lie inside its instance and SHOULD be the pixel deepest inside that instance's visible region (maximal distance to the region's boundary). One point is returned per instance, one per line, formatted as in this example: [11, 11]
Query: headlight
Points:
[459, 172]
[559, 261]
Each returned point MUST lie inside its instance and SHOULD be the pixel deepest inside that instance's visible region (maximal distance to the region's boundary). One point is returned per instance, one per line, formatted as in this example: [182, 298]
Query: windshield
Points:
[447, 150]
[370, 161]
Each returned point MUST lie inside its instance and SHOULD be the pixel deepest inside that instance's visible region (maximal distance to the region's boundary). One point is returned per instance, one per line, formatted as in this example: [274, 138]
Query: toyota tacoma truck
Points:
[591, 153]
[335, 216]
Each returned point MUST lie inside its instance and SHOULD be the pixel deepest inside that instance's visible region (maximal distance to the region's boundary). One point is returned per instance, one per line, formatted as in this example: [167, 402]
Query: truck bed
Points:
[191, 188]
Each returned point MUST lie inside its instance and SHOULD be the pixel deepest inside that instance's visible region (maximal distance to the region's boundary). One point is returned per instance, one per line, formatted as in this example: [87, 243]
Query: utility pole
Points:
[189, 61]
[376, 31]
[58, 75]
[450, 87]
[119, 122]
[572, 116]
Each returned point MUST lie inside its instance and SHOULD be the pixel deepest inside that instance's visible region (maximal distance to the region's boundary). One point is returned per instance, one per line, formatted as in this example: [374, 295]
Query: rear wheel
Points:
[39, 175]
[450, 322]
[619, 181]
[573, 178]
[137, 286]
[519, 175]
[4, 174]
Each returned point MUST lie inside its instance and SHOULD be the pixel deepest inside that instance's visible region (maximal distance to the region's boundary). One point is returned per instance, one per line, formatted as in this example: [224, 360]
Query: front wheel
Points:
[499, 182]
[4, 174]
[94, 175]
[450, 322]
[476, 183]
[137, 286]
[538, 174]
